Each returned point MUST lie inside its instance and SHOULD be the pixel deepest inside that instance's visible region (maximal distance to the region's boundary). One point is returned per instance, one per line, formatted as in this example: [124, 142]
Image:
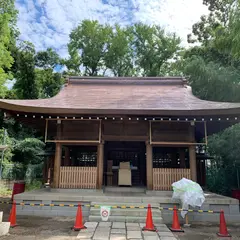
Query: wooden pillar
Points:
[100, 159]
[149, 165]
[57, 164]
[193, 163]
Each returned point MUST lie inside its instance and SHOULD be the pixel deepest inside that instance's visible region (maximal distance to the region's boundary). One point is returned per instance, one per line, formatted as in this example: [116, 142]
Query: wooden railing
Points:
[163, 178]
[78, 177]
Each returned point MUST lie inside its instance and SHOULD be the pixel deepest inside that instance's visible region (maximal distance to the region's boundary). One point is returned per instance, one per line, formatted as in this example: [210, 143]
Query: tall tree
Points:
[153, 48]
[119, 57]
[8, 32]
[47, 59]
[211, 81]
[218, 18]
[88, 45]
[25, 86]
[49, 82]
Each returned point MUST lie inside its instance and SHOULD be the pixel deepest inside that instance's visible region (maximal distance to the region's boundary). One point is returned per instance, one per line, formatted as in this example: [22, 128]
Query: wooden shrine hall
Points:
[124, 131]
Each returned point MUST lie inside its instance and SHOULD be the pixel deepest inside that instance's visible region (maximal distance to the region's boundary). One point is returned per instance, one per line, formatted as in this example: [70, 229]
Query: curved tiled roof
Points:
[123, 95]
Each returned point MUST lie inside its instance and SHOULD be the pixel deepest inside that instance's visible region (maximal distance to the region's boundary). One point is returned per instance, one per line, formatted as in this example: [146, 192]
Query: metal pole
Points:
[4, 141]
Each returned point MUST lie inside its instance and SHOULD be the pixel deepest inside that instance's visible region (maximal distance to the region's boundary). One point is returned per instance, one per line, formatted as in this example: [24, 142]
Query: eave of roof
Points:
[124, 95]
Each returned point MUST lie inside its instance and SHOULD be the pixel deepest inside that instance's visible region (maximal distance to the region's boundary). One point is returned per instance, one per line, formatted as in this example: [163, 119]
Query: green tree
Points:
[119, 57]
[27, 152]
[25, 85]
[218, 18]
[223, 173]
[211, 81]
[49, 82]
[8, 32]
[153, 48]
[34, 72]
[48, 59]
[88, 45]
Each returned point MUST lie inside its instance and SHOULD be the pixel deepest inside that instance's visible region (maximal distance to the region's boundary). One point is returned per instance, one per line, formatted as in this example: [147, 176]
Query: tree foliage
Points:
[88, 45]
[121, 51]
[209, 25]
[223, 173]
[34, 72]
[212, 81]
[25, 86]
[8, 16]
[48, 59]
[153, 48]
[49, 82]
[214, 74]
[119, 57]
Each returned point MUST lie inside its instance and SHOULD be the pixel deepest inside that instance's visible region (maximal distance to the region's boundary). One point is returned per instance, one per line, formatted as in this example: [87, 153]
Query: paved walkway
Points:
[123, 231]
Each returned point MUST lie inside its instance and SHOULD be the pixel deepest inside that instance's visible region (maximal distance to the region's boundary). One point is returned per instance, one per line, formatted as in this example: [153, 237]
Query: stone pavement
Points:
[123, 231]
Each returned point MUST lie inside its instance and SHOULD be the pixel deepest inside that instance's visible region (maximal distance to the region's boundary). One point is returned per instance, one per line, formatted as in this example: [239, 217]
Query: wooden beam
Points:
[72, 119]
[100, 160]
[57, 164]
[177, 143]
[149, 165]
[74, 141]
[124, 138]
[193, 163]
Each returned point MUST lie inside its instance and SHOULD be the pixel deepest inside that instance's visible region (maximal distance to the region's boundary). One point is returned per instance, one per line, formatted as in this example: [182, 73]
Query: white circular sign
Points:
[105, 213]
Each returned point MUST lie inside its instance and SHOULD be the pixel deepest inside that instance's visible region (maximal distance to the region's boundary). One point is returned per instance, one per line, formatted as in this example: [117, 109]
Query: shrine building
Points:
[125, 131]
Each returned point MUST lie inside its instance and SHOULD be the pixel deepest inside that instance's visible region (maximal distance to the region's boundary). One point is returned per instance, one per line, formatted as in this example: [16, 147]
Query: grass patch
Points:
[33, 185]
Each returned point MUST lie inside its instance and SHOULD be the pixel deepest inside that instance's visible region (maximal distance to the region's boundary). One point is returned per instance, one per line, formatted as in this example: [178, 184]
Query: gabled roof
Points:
[123, 95]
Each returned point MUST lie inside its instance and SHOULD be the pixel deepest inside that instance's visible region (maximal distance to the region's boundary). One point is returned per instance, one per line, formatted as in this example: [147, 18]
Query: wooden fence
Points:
[164, 177]
[78, 177]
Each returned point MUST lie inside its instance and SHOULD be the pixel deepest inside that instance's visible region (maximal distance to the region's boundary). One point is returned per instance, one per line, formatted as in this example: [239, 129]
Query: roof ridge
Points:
[126, 80]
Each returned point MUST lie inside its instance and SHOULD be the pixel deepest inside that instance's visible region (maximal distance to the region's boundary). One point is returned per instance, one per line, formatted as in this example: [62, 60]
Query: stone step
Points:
[127, 204]
[132, 219]
[124, 190]
[127, 212]
[1, 216]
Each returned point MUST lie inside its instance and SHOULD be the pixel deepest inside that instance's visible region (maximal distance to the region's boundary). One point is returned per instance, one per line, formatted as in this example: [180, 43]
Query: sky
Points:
[47, 23]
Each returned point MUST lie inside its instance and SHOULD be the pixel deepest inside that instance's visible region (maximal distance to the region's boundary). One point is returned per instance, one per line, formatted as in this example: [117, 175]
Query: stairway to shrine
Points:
[128, 214]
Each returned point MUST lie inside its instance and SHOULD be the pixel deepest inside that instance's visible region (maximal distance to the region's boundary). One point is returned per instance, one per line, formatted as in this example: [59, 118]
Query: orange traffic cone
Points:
[149, 221]
[223, 232]
[79, 220]
[175, 224]
[12, 217]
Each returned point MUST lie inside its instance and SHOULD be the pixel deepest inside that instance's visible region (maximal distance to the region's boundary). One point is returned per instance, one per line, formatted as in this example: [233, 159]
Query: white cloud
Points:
[47, 23]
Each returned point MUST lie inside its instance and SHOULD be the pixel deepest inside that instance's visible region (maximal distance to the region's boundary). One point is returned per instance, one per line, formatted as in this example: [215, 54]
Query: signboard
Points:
[105, 212]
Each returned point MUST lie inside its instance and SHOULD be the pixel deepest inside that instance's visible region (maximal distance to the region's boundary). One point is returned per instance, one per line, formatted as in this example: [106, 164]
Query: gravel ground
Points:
[59, 228]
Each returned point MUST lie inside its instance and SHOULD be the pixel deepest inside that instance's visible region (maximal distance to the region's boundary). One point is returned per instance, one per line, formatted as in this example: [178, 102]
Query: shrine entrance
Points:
[134, 156]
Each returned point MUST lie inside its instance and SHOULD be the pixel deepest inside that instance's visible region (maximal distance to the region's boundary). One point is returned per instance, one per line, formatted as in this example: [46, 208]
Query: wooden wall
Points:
[171, 132]
[73, 130]
[125, 130]
[80, 130]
